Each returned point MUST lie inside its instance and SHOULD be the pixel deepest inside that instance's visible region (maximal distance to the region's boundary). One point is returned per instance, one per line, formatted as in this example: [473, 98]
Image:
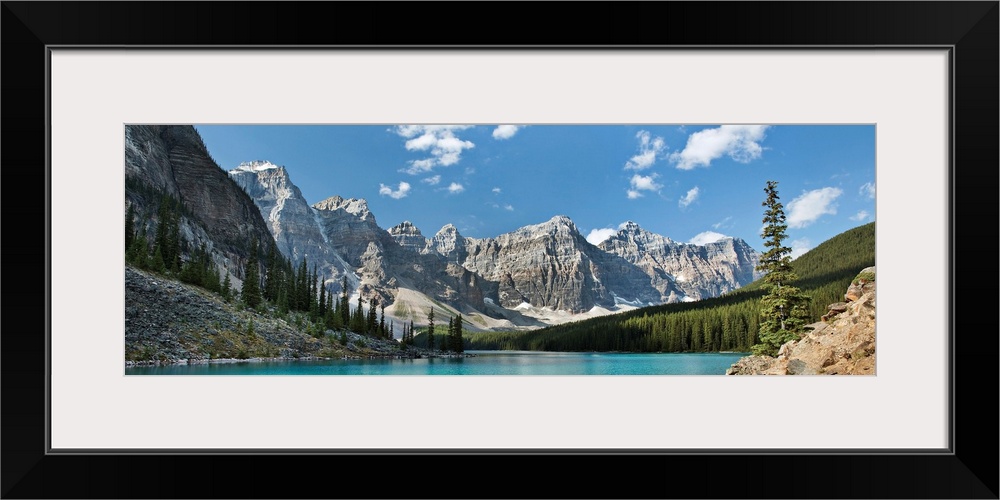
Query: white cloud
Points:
[689, 198]
[505, 131]
[401, 192]
[706, 238]
[440, 140]
[808, 207]
[740, 142]
[496, 190]
[649, 149]
[799, 247]
[433, 180]
[633, 194]
[596, 236]
[644, 182]
[723, 223]
[455, 188]
[867, 189]
[420, 166]
[860, 216]
[508, 207]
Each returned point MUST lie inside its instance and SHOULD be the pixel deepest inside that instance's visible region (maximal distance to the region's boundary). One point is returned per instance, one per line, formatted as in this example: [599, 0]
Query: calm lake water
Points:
[484, 363]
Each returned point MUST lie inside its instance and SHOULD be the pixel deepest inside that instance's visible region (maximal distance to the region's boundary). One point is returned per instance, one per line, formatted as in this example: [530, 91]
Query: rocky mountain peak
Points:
[405, 228]
[629, 227]
[257, 166]
[448, 229]
[355, 206]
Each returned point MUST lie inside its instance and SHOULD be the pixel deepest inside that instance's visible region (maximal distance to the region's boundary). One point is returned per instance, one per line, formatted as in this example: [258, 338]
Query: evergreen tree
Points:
[430, 339]
[371, 325]
[430, 329]
[250, 294]
[271, 275]
[784, 309]
[322, 298]
[157, 264]
[345, 305]
[409, 332]
[130, 226]
[357, 323]
[457, 335]
[227, 288]
[381, 322]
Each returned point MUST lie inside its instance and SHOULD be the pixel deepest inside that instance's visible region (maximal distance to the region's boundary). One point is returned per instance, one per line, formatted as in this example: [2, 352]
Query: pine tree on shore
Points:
[784, 309]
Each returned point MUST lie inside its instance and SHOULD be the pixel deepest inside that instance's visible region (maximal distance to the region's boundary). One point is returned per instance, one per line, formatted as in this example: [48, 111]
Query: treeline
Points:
[725, 323]
[451, 340]
[271, 283]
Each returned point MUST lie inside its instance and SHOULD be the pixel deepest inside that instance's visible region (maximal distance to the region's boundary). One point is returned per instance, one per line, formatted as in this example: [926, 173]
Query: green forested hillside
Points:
[725, 323]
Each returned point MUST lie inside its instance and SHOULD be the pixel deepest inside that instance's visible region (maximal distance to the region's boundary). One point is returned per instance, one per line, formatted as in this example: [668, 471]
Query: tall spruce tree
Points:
[459, 345]
[345, 305]
[784, 309]
[250, 293]
[430, 329]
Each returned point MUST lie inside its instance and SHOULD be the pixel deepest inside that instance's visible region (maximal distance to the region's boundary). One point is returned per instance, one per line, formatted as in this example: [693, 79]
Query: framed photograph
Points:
[925, 91]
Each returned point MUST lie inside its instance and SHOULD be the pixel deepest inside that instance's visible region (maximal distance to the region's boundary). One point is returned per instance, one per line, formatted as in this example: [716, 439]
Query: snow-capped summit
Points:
[256, 166]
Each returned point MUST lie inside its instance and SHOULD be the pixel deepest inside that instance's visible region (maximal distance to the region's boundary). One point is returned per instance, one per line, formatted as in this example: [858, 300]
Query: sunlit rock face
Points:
[294, 225]
[682, 271]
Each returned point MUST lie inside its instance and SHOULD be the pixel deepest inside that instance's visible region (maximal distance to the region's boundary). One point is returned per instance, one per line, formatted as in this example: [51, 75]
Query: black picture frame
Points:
[968, 471]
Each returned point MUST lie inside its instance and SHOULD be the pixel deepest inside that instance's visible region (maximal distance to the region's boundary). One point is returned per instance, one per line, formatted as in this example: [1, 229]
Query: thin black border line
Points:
[950, 434]
[464, 48]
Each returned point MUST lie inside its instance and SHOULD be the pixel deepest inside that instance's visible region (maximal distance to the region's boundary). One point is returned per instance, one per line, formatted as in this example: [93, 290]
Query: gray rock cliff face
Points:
[173, 159]
[552, 265]
[681, 271]
[295, 225]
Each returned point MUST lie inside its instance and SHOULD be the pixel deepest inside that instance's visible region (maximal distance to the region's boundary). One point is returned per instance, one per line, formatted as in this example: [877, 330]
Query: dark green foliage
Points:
[322, 299]
[430, 340]
[345, 306]
[430, 330]
[138, 253]
[129, 226]
[784, 309]
[227, 288]
[382, 332]
[358, 323]
[371, 322]
[250, 293]
[824, 272]
[157, 265]
[456, 336]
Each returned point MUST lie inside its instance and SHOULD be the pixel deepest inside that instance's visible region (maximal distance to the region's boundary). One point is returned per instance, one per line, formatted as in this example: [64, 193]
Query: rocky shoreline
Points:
[843, 343]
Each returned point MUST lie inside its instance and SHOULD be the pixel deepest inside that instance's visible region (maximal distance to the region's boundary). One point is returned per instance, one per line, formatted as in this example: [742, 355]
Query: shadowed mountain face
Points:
[218, 214]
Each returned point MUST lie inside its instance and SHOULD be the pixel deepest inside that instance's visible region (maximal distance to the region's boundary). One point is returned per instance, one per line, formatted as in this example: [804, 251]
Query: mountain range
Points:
[537, 275]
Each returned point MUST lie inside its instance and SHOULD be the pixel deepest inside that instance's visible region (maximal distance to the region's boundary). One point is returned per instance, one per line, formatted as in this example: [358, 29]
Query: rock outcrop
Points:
[842, 344]
[552, 265]
[682, 271]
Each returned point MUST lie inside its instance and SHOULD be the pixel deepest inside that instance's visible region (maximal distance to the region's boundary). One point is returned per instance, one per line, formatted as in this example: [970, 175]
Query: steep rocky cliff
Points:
[295, 226]
[173, 160]
[842, 344]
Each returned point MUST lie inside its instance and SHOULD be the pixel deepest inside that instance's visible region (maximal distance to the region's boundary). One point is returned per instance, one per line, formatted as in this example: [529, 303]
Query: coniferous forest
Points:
[725, 323]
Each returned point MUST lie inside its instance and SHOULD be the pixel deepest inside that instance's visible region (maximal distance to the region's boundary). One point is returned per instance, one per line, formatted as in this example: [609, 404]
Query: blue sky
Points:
[690, 183]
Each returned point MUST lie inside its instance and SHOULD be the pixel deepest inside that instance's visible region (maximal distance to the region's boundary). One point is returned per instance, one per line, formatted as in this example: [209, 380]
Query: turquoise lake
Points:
[483, 363]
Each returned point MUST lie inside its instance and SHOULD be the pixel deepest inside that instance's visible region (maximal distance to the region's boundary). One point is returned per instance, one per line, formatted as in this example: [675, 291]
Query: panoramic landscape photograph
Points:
[499, 249]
